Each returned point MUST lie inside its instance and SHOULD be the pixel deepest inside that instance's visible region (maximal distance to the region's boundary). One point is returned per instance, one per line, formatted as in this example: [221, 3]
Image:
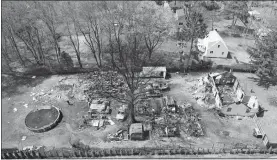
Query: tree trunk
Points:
[12, 40]
[75, 46]
[4, 50]
[7, 61]
[233, 21]
[190, 52]
[131, 116]
[41, 53]
[79, 60]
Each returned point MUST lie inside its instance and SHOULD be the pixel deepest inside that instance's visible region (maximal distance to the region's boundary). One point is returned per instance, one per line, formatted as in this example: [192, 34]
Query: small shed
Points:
[153, 72]
[136, 131]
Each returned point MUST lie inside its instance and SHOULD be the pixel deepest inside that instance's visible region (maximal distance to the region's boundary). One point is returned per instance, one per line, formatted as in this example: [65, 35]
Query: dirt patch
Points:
[64, 87]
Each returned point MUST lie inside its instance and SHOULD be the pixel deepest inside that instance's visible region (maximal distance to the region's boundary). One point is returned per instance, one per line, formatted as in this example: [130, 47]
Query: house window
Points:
[211, 52]
[180, 23]
[218, 46]
[222, 53]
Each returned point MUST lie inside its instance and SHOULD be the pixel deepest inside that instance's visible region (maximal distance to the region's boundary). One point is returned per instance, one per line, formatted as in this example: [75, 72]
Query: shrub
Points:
[38, 71]
[240, 68]
[236, 35]
[211, 5]
[66, 61]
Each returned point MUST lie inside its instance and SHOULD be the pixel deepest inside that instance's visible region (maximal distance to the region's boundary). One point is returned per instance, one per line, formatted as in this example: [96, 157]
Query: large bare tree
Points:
[156, 23]
[91, 27]
[70, 11]
[49, 13]
[126, 54]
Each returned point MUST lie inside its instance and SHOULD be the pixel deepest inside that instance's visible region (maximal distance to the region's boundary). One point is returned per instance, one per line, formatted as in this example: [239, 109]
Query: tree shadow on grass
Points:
[264, 81]
[11, 84]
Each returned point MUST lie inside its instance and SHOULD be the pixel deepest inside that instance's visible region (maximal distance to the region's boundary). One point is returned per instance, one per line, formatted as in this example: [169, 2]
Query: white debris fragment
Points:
[26, 105]
[15, 109]
[34, 77]
[111, 122]
[23, 138]
[34, 99]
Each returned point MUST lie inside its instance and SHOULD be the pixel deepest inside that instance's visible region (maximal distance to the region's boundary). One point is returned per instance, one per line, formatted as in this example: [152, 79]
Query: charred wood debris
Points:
[167, 120]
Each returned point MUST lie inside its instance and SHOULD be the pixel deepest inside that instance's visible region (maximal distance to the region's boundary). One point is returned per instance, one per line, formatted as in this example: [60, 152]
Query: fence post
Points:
[270, 150]
[16, 155]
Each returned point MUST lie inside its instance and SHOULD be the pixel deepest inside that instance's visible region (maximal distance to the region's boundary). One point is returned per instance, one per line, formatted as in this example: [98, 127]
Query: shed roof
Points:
[254, 12]
[136, 128]
[153, 69]
[180, 13]
[97, 107]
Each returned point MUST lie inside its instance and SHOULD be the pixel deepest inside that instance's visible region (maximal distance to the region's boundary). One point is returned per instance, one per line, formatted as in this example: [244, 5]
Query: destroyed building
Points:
[229, 95]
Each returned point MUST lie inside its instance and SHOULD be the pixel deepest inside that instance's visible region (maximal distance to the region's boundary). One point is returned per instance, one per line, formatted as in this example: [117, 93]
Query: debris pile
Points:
[105, 84]
[203, 93]
[191, 125]
[172, 121]
[118, 136]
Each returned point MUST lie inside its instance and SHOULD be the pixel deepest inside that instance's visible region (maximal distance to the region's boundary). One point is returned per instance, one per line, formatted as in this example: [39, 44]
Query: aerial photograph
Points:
[138, 79]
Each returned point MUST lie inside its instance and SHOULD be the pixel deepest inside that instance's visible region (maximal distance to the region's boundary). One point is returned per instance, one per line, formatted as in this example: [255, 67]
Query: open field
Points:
[215, 127]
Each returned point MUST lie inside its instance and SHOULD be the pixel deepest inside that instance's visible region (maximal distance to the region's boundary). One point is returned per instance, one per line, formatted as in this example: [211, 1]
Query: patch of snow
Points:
[34, 99]
[25, 105]
[15, 109]
[23, 138]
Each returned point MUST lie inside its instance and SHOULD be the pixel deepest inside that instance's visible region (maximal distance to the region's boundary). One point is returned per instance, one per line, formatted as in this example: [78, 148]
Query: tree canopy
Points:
[265, 55]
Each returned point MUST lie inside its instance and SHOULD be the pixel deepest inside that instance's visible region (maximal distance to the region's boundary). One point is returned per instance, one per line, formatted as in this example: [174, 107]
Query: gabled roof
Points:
[211, 39]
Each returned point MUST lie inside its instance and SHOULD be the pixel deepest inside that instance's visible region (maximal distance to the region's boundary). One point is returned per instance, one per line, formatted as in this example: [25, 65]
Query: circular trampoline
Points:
[43, 119]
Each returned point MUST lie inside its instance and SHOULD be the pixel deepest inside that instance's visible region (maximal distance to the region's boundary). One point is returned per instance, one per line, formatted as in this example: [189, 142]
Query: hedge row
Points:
[239, 68]
[58, 153]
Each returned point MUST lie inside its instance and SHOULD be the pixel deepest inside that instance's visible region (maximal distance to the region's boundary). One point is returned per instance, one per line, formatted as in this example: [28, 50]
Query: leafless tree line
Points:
[36, 26]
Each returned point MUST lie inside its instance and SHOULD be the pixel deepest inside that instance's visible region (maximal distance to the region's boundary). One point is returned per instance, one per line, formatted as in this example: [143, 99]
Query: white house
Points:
[166, 4]
[212, 46]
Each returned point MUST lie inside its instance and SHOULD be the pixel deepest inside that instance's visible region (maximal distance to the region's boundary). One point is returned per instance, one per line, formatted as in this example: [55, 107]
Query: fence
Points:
[258, 124]
[70, 153]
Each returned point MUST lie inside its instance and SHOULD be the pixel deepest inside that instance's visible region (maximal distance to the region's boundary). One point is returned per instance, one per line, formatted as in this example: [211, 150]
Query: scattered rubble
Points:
[118, 136]
[26, 105]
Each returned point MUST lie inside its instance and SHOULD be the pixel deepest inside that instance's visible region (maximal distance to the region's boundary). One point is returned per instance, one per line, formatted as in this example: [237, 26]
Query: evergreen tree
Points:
[264, 56]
